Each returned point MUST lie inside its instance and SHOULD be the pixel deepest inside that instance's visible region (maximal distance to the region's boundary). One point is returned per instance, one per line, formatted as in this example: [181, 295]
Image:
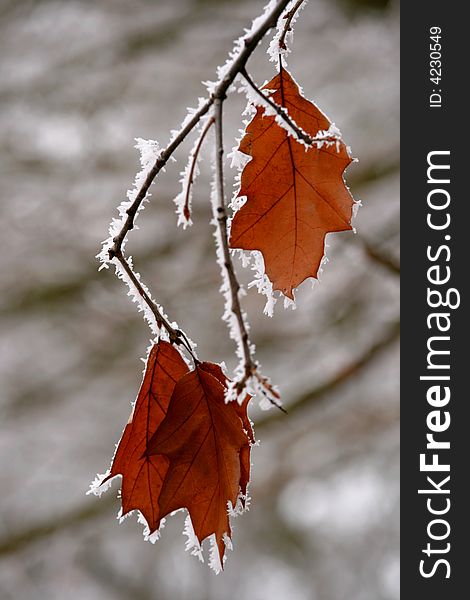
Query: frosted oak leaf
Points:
[295, 195]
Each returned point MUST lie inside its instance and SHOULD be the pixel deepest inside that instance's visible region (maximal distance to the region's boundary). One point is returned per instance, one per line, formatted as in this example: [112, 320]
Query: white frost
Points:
[97, 487]
[187, 182]
[155, 535]
[254, 259]
[228, 316]
[214, 556]
[149, 153]
[242, 505]
[192, 543]
[238, 47]
[274, 50]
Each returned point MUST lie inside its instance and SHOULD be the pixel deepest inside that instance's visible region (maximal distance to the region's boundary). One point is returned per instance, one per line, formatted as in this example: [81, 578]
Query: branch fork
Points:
[235, 66]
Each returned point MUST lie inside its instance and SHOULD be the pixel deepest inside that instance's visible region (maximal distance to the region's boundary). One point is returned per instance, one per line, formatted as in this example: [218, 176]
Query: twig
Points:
[250, 365]
[186, 211]
[282, 112]
[287, 27]
[221, 217]
[246, 49]
[176, 335]
[161, 320]
[269, 392]
[250, 44]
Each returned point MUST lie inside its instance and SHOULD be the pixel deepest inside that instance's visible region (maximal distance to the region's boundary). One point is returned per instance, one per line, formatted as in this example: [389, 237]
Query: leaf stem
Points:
[186, 210]
[282, 112]
[287, 27]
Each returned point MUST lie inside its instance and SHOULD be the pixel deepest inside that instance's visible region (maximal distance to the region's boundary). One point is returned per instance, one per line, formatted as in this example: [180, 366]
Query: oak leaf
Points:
[295, 196]
[143, 475]
[241, 410]
[207, 443]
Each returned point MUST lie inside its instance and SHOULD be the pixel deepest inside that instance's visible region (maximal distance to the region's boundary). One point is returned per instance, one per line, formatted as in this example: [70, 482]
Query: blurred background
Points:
[79, 81]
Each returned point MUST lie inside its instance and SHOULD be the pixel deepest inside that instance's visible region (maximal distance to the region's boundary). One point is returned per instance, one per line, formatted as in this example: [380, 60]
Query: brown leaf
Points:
[241, 410]
[208, 451]
[142, 475]
[294, 196]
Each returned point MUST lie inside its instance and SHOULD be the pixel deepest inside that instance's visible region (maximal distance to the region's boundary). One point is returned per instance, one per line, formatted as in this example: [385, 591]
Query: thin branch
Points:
[176, 335]
[250, 366]
[250, 44]
[186, 211]
[160, 318]
[161, 161]
[221, 216]
[238, 63]
[269, 392]
[287, 27]
[282, 112]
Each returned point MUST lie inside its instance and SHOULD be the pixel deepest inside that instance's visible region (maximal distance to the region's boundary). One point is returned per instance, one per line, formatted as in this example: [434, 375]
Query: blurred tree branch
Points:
[312, 396]
[73, 518]
[382, 258]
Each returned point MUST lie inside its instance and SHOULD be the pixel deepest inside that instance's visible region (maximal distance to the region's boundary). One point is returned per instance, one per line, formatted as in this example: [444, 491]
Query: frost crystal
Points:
[228, 316]
[274, 51]
[149, 153]
[242, 505]
[254, 259]
[214, 556]
[238, 47]
[136, 297]
[148, 536]
[186, 180]
[192, 543]
[97, 487]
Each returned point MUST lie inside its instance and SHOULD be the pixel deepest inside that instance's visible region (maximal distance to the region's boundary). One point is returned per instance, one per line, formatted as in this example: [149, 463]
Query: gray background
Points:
[79, 81]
